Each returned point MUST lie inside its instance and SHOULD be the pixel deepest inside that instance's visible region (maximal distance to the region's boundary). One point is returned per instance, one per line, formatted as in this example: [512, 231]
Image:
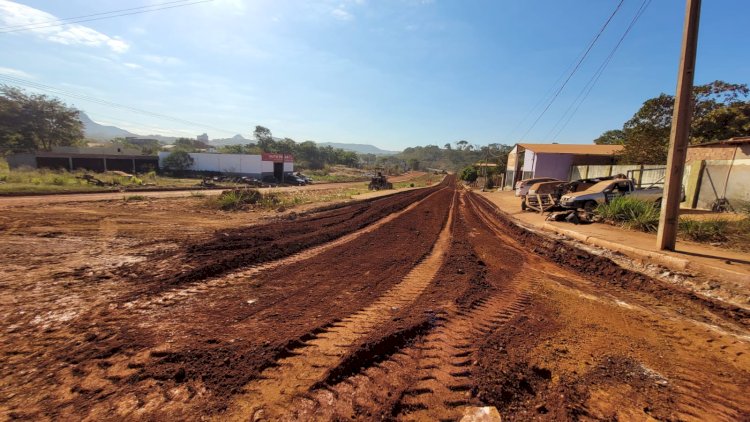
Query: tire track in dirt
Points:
[272, 395]
[431, 378]
[173, 297]
[695, 399]
[231, 250]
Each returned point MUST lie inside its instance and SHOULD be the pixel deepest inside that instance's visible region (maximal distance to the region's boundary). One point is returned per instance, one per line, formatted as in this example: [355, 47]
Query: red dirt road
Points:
[410, 307]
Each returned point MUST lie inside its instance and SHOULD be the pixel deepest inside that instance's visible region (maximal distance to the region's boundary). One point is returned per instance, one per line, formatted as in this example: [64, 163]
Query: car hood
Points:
[575, 195]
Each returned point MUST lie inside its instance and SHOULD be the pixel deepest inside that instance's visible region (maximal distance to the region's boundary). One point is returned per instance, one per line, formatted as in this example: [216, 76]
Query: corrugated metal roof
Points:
[577, 149]
[739, 140]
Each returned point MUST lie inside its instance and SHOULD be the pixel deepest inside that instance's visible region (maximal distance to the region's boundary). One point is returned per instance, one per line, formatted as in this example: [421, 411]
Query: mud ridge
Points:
[231, 250]
[607, 271]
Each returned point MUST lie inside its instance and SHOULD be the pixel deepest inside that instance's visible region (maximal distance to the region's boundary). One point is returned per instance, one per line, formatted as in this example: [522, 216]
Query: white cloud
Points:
[15, 72]
[341, 14]
[15, 14]
[133, 65]
[167, 60]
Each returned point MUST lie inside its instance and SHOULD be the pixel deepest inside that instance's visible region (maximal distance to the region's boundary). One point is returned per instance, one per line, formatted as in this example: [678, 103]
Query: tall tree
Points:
[265, 138]
[720, 111]
[36, 122]
[611, 137]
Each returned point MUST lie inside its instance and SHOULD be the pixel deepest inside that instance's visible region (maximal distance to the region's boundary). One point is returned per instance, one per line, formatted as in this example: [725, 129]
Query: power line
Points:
[575, 68]
[85, 97]
[93, 14]
[586, 90]
[33, 26]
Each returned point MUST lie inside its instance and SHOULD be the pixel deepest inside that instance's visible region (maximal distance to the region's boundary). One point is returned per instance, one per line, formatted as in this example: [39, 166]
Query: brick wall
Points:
[718, 152]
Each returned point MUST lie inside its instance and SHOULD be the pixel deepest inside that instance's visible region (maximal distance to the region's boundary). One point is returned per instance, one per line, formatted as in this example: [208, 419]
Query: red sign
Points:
[276, 157]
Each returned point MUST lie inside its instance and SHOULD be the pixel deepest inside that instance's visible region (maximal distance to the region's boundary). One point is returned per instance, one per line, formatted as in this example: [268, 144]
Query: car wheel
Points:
[590, 206]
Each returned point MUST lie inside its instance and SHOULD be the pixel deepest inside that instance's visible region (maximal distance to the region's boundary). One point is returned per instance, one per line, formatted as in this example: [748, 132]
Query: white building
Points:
[266, 164]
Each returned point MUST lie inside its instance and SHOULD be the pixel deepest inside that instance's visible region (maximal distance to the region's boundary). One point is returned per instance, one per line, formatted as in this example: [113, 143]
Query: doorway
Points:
[278, 171]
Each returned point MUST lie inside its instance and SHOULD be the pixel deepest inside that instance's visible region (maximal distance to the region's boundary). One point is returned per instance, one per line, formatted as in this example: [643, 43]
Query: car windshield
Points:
[599, 186]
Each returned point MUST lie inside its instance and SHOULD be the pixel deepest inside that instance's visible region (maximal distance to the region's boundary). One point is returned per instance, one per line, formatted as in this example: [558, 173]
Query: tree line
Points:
[720, 111]
[30, 122]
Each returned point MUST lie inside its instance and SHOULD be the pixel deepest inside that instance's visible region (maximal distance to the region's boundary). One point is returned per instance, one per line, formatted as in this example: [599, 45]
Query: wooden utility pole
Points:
[678, 139]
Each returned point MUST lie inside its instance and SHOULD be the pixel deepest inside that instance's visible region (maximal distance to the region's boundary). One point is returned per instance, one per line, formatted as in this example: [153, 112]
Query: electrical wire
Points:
[586, 90]
[85, 97]
[34, 26]
[60, 20]
[575, 69]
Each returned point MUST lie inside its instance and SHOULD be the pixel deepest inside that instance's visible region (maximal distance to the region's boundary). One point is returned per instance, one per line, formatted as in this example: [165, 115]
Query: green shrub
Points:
[713, 230]
[233, 200]
[631, 212]
[59, 181]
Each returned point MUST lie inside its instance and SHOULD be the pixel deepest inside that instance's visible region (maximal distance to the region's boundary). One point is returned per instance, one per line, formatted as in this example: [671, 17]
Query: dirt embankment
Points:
[232, 249]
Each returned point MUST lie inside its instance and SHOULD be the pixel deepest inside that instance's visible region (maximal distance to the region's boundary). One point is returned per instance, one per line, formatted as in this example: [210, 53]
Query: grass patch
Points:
[130, 198]
[28, 180]
[631, 213]
[644, 216]
[236, 199]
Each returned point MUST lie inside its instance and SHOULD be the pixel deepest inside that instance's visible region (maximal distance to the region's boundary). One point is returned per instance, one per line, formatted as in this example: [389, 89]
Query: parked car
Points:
[294, 180]
[303, 177]
[605, 191]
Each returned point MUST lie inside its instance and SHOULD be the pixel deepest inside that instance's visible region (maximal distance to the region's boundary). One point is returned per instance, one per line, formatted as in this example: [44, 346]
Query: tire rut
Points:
[431, 378]
[272, 395]
[173, 297]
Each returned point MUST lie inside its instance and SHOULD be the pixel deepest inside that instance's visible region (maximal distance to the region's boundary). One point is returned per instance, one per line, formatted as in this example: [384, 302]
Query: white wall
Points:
[229, 163]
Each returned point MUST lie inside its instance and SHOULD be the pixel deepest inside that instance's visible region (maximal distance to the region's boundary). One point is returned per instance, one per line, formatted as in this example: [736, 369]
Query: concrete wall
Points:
[16, 161]
[718, 152]
[704, 181]
[647, 174]
[528, 160]
[715, 185]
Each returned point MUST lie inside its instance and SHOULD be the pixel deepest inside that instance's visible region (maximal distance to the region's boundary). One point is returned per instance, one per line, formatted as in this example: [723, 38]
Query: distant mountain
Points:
[234, 140]
[358, 148]
[93, 130]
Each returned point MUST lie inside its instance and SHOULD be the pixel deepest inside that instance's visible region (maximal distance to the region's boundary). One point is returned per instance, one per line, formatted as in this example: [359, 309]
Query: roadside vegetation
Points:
[60, 181]
[421, 181]
[337, 174]
[731, 231]
[253, 199]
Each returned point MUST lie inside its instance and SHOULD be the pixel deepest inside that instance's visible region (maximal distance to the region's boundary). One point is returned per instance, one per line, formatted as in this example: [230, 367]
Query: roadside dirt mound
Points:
[605, 271]
[229, 250]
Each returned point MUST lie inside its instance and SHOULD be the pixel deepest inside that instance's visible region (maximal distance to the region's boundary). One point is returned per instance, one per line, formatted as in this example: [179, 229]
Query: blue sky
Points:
[393, 73]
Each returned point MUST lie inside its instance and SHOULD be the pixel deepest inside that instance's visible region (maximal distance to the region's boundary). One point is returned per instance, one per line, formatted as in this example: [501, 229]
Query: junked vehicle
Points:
[605, 191]
[551, 192]
[542, 196]
[523, 186]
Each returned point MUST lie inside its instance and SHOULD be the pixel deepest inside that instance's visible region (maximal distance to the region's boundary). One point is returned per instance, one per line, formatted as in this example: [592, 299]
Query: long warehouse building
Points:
[259, 166]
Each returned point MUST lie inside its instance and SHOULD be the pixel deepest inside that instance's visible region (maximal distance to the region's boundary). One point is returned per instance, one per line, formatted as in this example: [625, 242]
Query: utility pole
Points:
[678, 138]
